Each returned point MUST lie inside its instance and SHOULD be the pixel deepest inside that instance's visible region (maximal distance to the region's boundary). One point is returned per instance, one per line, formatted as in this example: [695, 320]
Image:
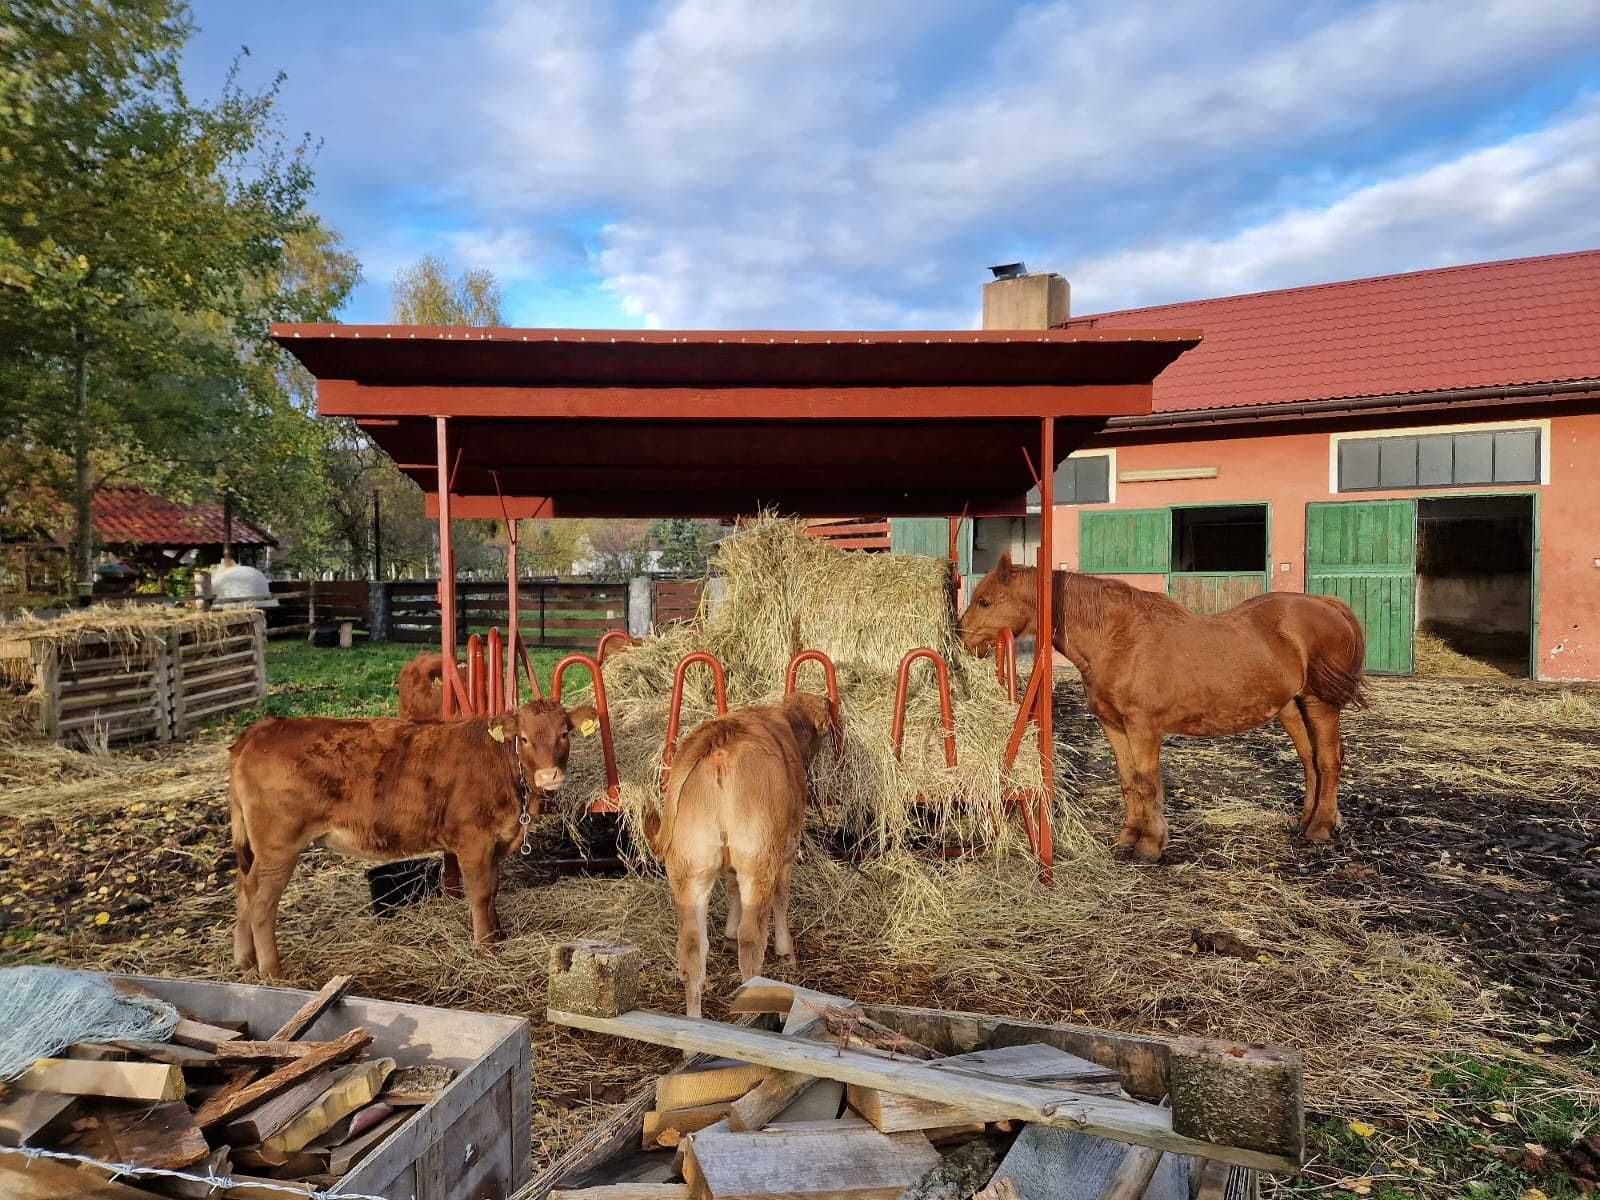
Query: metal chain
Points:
[524, 818]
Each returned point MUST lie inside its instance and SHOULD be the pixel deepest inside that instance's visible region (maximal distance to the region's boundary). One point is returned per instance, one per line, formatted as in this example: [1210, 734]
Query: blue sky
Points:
[736, 163]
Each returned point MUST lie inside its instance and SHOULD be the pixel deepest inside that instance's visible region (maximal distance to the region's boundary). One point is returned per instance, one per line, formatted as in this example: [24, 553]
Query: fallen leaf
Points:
[100, 918]
[1362, 1129]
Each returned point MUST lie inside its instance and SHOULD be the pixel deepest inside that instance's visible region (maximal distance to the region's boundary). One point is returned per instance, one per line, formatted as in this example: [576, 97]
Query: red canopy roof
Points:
[126, 515]
[1489, 325]
[628, 423]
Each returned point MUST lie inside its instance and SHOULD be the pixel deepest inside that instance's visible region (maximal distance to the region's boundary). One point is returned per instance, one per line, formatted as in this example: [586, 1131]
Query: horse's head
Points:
[1003, 599]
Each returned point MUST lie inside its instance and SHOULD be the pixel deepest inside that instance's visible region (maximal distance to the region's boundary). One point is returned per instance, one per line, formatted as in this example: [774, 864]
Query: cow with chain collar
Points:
[382, 790]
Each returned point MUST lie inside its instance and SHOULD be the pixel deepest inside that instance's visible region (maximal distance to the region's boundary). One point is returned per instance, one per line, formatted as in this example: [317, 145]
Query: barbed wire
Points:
[211, 1178]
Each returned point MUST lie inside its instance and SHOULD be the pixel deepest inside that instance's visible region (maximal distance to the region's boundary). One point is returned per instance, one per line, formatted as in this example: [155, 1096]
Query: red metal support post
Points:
[830, 679]
[603, 650]
[497, 659]
[513, 620]
[719, 681]
[902, 691]
[1044, 645]
[476, 696]
[613, 784]
[453, 690]
[1005, 663]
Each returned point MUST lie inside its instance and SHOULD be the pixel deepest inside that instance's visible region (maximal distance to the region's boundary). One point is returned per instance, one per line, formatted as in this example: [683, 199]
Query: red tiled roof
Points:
[131, 515]
[1498, 324]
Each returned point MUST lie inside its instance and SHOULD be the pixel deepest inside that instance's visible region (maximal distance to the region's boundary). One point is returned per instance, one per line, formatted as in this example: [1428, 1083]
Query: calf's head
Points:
[1002, 600]
[543, 732]
[811, 717]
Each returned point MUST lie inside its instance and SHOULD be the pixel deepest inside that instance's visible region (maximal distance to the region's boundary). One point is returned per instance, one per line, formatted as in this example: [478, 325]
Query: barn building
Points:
[1426, 446]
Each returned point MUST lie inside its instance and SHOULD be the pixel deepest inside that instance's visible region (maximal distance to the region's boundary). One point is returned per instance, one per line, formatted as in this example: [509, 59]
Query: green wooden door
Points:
[1129, 541]
[931, 536]
[1365, 553]
[1214, 591]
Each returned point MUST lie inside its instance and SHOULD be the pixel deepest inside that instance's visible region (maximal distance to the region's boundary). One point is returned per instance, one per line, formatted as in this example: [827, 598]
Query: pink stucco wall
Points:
[1290, 470]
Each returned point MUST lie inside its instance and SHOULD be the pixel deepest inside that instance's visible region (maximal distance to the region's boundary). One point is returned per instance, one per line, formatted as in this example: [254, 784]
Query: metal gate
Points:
[1365, 553]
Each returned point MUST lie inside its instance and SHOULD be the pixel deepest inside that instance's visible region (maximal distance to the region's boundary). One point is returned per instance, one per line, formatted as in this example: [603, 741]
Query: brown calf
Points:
[420, 690]
[735, 807]
[383, 790]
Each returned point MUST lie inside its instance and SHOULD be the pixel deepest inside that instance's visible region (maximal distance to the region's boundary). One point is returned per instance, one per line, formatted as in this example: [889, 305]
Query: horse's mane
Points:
[1089, 599]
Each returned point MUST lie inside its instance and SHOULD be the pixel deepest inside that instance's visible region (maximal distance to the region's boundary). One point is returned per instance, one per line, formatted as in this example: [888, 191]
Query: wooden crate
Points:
[164, 685]
[104, 691]
[209, 676]
[471, 1143]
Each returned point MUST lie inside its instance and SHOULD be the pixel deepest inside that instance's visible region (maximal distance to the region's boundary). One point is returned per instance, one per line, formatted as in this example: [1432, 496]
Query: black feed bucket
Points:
[397, 884]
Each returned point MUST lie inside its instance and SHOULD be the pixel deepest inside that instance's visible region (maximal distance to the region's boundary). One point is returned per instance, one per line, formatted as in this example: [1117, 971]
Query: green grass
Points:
[1497, 1131]
[305, 681]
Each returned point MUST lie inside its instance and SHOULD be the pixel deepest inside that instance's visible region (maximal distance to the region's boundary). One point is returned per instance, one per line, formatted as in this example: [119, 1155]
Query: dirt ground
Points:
[1464, 882]
[1483, 830]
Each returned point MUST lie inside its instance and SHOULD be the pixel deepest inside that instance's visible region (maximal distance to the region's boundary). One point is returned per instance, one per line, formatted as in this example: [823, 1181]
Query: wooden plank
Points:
[164, 1136]
[250, 1051]
[822, 1101]
[1124, 1120]
[167, 1052]
[219, 1109]
[625, 1191]
[1139, 1060]
[266, 1119]
[841, 1164]
[347, 1154]
[354, 1088]
[202, 1036]
[668, 1128]
[1058, 1164]
[23, 1178]
[32, 1118]
[120, 1080]
[714, 1083]
[774, 1093]
[329, 994]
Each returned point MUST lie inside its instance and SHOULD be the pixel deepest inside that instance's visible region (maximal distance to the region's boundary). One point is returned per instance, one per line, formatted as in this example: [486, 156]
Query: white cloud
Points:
[839, 163]
[1533, 194]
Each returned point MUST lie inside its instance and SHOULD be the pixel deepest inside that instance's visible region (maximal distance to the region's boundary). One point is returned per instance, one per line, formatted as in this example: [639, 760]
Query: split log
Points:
[23, 1178]
[275, 1050]
[219, 1108]
[34, 1118]
[343, 1157]
[354, 1088]
[720, 1081]
[256, 1126]
[164, 1136]
[200, 1035]
[153, 1082]
[668, 1128]
[327, 996]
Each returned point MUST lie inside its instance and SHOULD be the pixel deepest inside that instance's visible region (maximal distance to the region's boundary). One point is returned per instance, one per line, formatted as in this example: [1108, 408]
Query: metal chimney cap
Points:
[1013, 270]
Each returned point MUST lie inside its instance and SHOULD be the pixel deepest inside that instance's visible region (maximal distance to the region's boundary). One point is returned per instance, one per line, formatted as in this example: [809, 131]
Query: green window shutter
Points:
[1134, 541]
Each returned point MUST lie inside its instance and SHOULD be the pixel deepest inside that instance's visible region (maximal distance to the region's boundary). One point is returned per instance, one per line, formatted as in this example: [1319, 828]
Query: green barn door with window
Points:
[1365, 553]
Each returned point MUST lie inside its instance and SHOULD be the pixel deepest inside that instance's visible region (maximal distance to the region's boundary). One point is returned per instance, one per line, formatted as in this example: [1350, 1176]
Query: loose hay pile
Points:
[787, 592]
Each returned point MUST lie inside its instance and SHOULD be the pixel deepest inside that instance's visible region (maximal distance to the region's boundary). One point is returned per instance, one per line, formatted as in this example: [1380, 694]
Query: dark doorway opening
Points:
[1475, 585]
[1230, 537]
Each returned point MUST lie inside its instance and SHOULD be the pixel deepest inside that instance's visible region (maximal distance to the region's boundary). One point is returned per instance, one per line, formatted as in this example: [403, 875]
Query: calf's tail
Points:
[243, 857]
[1336, 674]
[658, 823]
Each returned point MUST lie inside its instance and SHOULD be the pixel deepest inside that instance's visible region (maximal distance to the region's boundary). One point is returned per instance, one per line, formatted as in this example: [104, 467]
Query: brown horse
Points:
[1151, 667]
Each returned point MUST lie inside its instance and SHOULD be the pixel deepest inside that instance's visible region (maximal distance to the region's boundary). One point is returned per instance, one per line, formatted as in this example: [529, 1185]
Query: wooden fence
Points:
[302, 603]
[851, 533]
[558, 615]
[160, 685]
[676, 600]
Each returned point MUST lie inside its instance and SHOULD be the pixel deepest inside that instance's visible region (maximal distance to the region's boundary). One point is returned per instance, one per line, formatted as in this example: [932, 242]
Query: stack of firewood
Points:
[807, 1095]
[218, 1100]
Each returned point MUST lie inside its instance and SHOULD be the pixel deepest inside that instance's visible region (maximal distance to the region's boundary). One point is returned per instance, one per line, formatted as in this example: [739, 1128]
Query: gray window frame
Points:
[1070, 463]
[1421, 443]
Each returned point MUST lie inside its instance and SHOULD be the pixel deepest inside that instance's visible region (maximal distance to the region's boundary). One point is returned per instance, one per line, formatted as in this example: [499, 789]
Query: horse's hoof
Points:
[1148, 852]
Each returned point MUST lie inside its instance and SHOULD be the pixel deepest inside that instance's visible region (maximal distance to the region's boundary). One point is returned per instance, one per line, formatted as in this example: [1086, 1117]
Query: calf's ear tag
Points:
[588, 727]
[497, 732]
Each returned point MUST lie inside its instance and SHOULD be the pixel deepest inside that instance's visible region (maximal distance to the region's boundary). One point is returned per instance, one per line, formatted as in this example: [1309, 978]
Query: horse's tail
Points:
[1336, 675]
